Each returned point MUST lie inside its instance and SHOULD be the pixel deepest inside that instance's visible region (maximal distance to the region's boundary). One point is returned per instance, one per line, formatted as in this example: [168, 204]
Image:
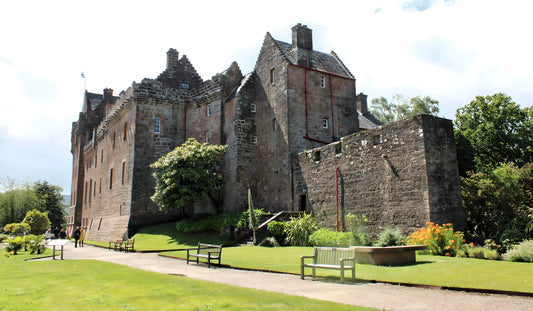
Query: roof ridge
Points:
[342, 64]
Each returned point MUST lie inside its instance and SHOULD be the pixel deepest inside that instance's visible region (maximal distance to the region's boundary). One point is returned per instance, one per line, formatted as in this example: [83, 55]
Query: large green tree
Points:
[400, 107]
[16, 199]
[187, 174]
[492, 130]
[497, 203]
[50, 200]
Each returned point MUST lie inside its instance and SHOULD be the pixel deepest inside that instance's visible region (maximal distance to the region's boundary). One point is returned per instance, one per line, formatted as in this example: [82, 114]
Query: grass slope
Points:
[94, 285]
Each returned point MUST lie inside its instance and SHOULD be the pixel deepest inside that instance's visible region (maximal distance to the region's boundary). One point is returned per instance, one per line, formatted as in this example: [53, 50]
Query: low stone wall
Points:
[387, 256]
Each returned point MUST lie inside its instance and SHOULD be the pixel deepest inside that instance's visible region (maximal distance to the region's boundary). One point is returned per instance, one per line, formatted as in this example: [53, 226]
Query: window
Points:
[254, 140]
[325, 123]
[253, 108]
[157, 125]
[100, 186]
[125, 132]
[102, 156]
[376, 139]
[94, 189]
[322, 81]
[111, 179]
[208, 110]
[123, 172]
[207, 138]
[114, 139]
[272, 75]
[274, 125]
[95, 160]
[318, 156]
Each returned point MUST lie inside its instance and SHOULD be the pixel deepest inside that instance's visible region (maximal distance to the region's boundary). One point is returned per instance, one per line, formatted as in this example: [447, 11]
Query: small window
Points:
[376, 139]
[111, 179]
[102, 156]
[157, 125]
[184, 85]
[253, 108]
[100, 186]
[208, 110]
[318, 156]
[125, 132]
[123, 172]
[272, 75]
[94, 189]
[114, 139]
[207, 136]
[325, 123]
[322, 81]
[338, 148]
[274, 125]
[254, 140]
[95, 160]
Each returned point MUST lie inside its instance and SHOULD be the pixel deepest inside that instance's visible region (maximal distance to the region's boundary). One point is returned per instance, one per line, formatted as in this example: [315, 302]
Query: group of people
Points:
[78, 235]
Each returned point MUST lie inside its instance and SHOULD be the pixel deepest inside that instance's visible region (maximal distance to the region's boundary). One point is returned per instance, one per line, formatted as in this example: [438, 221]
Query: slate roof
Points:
[329, 63]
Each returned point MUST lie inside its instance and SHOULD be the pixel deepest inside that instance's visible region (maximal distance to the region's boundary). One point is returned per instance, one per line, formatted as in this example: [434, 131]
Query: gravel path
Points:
[376, 295]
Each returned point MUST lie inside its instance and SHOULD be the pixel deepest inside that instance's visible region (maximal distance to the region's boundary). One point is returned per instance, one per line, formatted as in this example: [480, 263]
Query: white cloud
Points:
[449, 50]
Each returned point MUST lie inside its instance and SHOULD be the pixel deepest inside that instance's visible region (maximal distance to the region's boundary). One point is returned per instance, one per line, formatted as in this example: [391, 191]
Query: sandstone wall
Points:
[400, 175]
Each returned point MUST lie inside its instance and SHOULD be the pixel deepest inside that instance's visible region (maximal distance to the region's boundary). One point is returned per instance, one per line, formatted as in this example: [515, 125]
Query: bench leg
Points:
[302, 272]
[314, 272]
[342, 272]
[353, 272]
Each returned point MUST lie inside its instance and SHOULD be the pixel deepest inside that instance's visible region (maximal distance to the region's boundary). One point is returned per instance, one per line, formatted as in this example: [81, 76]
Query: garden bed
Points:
[387, 256]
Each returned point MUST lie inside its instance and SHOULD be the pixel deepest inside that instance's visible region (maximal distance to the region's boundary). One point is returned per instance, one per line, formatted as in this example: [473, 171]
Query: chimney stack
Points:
[302, 37]
[172, 59]
[362, 104]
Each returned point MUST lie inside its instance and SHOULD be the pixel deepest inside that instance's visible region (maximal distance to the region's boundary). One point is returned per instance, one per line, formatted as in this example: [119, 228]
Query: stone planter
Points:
[387, 256]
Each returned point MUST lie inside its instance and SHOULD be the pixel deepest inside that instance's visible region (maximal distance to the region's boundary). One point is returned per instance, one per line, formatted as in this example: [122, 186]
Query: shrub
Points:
[211, 223]
[38, 221]
[325, 237]
[244, 221]
[269, 242]
[14, 245]
[277, 229]
[17, 228]
[522, 252]
[491, 254]
[299, 230]
[440, 240]
[390, 237]
[359, 229]
[36, 243]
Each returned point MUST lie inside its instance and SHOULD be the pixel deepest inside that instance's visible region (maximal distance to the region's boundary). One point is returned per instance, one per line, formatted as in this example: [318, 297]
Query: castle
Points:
[297, 134]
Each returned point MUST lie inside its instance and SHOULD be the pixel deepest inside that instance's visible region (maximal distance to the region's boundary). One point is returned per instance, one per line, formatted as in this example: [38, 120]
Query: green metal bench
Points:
[330, 258]
[205, 251]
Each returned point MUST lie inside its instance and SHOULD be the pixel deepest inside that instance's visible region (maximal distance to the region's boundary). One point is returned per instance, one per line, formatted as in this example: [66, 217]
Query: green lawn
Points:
[94, 285]
[430, 270]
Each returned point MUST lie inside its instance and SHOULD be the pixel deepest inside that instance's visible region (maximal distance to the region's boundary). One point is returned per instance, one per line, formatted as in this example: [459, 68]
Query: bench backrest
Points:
[332, 255]
[206, 248]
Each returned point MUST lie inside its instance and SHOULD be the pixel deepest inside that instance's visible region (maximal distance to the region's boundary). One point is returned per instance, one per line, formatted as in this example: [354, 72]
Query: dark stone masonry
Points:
[296, 133]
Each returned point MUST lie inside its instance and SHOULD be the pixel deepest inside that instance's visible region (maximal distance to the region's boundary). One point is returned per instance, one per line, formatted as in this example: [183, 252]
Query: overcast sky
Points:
[449, 50]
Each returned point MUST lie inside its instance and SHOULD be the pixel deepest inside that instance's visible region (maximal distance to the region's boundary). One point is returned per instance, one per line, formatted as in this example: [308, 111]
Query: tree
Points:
[187, 174]
[50, 200]
[400, 107]
[38, 221]
[16, 200]
[496, 205]
[253, 223]
[496, 131]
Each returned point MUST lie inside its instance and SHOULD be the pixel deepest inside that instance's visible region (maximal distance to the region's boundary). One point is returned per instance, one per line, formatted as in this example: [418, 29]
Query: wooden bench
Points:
[117, 244]
[205, 251]
[330, 258]
[128, 245]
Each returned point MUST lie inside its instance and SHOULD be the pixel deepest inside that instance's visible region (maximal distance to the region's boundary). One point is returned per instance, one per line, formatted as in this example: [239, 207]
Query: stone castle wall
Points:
[390, 174]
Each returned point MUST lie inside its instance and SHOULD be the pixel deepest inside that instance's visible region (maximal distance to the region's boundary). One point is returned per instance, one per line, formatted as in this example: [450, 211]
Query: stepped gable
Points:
[180, 73]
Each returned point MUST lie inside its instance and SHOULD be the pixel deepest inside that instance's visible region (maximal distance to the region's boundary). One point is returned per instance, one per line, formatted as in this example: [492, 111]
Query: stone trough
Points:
[387, 256]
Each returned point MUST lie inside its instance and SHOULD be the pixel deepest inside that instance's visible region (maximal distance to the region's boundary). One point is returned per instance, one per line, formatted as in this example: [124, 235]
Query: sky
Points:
[450, 50]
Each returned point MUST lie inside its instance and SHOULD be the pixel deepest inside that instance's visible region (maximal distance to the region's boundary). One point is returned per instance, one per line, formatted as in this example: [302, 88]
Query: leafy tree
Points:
[50, 200]
[496, 205]
[17, 228]
[187, 174]
[16, 200]
[401, 107]
[37, 220]
[493, 130]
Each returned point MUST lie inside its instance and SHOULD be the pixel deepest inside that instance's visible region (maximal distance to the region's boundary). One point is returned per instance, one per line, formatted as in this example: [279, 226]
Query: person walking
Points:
[76, 236]
[82, 237]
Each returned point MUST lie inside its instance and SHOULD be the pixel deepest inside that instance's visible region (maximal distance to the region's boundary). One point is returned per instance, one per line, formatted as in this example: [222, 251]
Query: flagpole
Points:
[84, 81]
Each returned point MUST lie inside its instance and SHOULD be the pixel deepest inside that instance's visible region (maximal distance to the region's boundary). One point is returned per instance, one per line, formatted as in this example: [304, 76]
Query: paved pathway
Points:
[380, 296]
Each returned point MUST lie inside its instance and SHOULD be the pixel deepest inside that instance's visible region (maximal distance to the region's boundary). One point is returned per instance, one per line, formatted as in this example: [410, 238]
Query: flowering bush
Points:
[440, 240]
